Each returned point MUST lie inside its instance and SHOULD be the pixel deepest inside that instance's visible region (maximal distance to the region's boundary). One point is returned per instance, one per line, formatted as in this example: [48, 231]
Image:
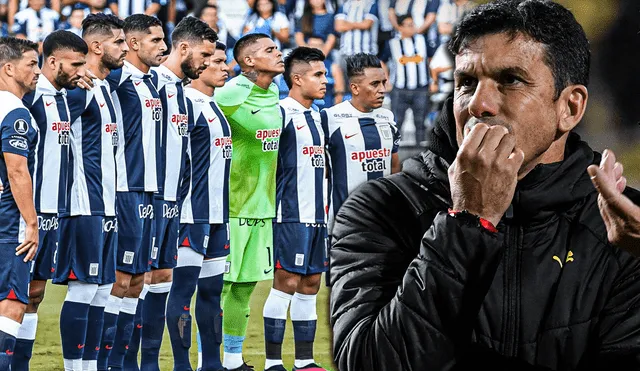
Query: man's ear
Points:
[133, 43]
[355, 89]
[51, 61]
[571, 106]
[95, 47]
[248, 61]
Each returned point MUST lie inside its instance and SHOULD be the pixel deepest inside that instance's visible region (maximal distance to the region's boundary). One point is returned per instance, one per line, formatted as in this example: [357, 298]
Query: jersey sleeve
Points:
[17, 132]
[432, 7]
[28, 99]
[77, 101]
[373, 12]
[19, 27]
[114, 79]
[396, 134]
[340, 14]
[191, 119]
[230, 97]
[324, 122]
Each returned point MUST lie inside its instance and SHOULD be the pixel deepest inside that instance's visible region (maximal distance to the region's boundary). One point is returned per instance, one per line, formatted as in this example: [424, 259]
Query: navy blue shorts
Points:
[14, 274]
[301, 247]
[47, 245]
[210, 240]
[136, 233]
[164, 253]
[87, 250]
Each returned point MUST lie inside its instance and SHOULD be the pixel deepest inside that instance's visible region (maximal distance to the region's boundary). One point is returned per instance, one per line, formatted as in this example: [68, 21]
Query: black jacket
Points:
[416, 289]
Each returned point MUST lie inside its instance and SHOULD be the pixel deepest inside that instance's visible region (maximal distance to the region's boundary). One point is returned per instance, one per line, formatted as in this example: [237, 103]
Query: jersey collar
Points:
[199, 94]
[46, 87]
[135, 72]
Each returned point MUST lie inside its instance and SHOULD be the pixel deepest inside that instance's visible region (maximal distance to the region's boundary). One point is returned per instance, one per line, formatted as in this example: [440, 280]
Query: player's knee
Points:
[121, 286]
[13, 309]
[135, 288]
[310, 285]
[162, 276]
[36, 296]
[287, 282]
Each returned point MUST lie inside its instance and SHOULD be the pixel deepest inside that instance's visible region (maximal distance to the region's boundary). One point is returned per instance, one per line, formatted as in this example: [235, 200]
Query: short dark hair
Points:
[12, 48]
[301, 54]
[245, 41]
[403, 18]
[554, 26]
[100, 23]
[140, 23]
[220, 46]
[61, 39]
[192, 29]
[357, 63]
[207, 6]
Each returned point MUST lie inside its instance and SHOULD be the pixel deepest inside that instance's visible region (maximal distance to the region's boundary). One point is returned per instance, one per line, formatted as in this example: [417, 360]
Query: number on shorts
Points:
[269, 254]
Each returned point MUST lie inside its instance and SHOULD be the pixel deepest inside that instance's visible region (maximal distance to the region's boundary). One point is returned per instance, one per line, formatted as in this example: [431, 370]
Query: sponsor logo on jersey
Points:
[20, 126]
[226, 144]
[19, 143]
[182, 123]
[343, 115]
[109, 225]
[252, 222]
[169, 212]
[372, 160]
[410, 59]
[156, 108]
[145, 211]
[270, 139]
[47, 224]
[316, 153]
[62, 128]
[112, 129]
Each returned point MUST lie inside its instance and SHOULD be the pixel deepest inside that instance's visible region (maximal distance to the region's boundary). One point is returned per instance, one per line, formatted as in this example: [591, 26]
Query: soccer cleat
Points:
[276, 368]
[244, 367]
[310, 367]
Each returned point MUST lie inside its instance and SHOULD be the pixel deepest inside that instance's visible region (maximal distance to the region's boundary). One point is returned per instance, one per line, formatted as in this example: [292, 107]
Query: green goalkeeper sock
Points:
[235, 305]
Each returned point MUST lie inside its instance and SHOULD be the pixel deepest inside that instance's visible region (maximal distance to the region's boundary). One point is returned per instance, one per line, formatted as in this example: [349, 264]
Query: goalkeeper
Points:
[250, 103]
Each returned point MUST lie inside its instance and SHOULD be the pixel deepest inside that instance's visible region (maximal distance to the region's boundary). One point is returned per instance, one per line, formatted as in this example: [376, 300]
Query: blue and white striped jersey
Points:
[409, 67]
[174, 131]
[139, 115]
[359, 41]
[49, 109]
[36, 25]
[359, 147]
[19, 134]
[300, 176]
[94, 139]
[205, 188]
[129, 7]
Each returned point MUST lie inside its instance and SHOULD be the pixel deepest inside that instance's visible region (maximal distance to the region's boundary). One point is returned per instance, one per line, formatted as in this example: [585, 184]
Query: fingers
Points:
[608, 162]
[618, 169]
[91, 75]
[516, 158]
[603, 184]
[493, 138]
[32, 253]
[474, 137]
[26, 247]
[506, 147]
[621, 184]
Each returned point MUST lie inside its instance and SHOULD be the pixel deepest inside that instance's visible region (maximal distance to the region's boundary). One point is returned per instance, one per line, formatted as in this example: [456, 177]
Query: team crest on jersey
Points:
[385, 131]
[316, 153]
[372, 160]
[182, 123]
[62, 128]
[112, 129]
[20, 126]
[226, 144]
[270, 139]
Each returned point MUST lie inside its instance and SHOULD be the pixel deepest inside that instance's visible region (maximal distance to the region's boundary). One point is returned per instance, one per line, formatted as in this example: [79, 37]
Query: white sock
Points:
[276, 307]
[303, 308]
[90, 365]
[29, 326]
[232, 360]
[113, 305]
[129, 305]
[9, 326]
[73, 364]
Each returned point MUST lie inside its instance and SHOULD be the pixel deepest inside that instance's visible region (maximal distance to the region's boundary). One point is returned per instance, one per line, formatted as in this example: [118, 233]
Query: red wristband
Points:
[484, 223]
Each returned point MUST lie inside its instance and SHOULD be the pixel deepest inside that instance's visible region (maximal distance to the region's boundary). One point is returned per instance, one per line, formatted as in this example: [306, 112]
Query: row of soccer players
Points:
[169, 149]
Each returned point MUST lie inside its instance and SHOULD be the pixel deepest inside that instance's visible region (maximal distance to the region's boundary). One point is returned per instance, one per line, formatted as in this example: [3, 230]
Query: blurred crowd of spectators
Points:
[409, 37]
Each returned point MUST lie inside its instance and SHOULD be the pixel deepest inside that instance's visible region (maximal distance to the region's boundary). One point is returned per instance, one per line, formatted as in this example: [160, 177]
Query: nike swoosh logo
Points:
[254, 112]
[171, 96]
[212, 120]
[48, 103]
[138, 326]
[300, 127]
[80, 346]
[226, 247]
[137, 82]
[108, 347]
[350, 136]
[266, 271]
[186, 308]
[102, 105]
[8, 352]
[97, 349]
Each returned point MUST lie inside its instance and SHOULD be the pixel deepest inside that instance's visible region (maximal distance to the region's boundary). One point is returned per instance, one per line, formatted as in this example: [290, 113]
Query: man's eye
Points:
[466, 82]
[510, 79]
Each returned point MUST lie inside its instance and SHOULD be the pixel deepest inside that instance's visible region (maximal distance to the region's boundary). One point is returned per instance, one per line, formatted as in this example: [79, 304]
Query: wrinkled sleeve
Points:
[401, 307]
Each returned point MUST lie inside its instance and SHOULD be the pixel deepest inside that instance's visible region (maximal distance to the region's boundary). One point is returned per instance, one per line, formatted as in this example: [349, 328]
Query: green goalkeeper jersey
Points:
[256, 123]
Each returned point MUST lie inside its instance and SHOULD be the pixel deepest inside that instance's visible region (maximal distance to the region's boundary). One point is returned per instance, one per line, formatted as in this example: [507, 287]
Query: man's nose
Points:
[485, 100]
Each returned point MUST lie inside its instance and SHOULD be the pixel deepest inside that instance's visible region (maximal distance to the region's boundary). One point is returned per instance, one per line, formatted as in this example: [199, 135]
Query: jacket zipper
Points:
[512, 268]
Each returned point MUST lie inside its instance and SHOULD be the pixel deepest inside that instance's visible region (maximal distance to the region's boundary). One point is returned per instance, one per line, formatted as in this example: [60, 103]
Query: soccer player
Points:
[19, 73]
[193, 44]
[250, 103]
[138, 111]
[64, 59]
[204, 216]
[88, 227]
[361, 136]
[300, 229]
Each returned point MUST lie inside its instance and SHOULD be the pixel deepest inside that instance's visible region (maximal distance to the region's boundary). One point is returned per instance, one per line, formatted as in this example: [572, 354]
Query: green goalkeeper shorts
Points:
[251, 250]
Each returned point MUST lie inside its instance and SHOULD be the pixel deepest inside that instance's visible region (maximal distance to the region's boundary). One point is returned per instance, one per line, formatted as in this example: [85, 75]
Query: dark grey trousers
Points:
[418, 101]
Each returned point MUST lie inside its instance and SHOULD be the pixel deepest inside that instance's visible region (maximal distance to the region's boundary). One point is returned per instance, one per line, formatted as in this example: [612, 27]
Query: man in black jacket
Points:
[489, 248]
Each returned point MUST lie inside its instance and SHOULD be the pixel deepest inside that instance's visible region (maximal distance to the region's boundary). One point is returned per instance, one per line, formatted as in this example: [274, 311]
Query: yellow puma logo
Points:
[567, 260]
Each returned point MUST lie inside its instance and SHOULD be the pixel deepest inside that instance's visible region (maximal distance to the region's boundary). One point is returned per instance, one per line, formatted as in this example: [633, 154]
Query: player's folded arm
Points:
[395, 306]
